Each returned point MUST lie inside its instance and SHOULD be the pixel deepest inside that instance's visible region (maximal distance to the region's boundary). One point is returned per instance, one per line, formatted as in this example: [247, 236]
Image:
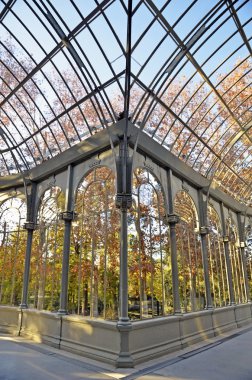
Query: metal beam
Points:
[239, 26]
[190, 57]
[6, 9]
[56, 49]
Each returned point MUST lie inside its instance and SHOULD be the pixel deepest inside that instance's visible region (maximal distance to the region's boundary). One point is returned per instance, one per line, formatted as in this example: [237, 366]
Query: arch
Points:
[94, 260]
[216, 259]
[46, 256]
[236, 261]
[150, 278]
[190, 264]
[12, 250]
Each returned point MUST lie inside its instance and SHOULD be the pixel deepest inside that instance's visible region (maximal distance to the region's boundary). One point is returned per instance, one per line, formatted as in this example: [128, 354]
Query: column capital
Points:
[173, 218]
[123, 201]
[67, 215]
[30, 226]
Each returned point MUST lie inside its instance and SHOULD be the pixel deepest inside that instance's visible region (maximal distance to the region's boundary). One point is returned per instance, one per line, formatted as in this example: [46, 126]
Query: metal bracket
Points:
[204, 230]
[30, 226]
[67, 215]
[123, 201]
[173, 219]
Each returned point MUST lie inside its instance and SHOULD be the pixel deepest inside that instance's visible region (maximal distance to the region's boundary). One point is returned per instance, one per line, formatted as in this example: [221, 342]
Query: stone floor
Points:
[226, 357]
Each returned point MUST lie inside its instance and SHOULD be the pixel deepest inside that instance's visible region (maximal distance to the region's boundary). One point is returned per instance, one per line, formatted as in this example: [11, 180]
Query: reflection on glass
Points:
[190, 266]
[150, 281]
[217, 261]
[94, 260]
[12, 250]
[236, 262]
[46, 257]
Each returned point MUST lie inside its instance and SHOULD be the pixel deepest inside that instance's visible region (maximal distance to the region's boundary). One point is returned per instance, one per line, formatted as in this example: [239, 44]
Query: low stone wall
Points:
[41, 326]
[224, 319]
[118, 344]
[9, 320]
[153, 337]
[96, 339]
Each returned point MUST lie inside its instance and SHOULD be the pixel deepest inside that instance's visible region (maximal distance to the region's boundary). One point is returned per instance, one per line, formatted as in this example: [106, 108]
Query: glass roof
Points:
[65, 65]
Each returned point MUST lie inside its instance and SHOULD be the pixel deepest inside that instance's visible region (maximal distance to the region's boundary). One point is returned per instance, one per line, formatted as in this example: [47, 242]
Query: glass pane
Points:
[190, 265]
[150, 281]
[46, 257]
[12, 251]
[94, 261]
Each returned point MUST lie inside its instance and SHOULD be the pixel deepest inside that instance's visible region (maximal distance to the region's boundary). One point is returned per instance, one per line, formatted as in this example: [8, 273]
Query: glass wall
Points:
[236, 262]
[94, 260]
[217, 261]
[150, 278]
[12, 250]
[248, 254]
[190, 265]
[47, 248]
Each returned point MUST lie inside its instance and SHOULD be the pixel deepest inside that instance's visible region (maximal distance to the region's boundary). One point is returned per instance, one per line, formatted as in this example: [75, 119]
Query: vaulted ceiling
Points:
[181, 70]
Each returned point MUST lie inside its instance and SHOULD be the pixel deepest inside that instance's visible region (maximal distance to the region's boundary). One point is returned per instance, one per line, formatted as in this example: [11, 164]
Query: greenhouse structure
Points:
[125, 173]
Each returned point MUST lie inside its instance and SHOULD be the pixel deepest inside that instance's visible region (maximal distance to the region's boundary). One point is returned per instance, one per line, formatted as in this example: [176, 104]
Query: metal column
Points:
[203, 234]
[124, 202]
[227, 257]
[242, 253]
[173, 219]
[67, 216]
[29, 226]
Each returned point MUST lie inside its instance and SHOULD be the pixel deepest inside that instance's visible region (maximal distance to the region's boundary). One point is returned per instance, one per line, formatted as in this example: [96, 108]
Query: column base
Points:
[62, 312]
[23, 306]
[177, 309]
[209, 307]
[178, 313]
[124, 321]
[124, 358]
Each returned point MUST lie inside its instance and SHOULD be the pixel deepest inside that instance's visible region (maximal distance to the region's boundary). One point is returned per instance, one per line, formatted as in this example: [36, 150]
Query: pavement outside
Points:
[226, 357]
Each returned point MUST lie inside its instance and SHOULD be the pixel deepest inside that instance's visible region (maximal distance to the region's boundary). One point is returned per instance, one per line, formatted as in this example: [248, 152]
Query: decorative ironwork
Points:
[30, 226]
[95, 163]
[68, 215]
[123, 201]
[173, 218]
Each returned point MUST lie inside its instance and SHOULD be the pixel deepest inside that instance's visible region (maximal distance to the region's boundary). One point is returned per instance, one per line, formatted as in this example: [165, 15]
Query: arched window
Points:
[236, 262]
[190, 266]
[95, 248]
[47, 248]
[12, 250]
[150, 278]
[248, 254]
[217, 261]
